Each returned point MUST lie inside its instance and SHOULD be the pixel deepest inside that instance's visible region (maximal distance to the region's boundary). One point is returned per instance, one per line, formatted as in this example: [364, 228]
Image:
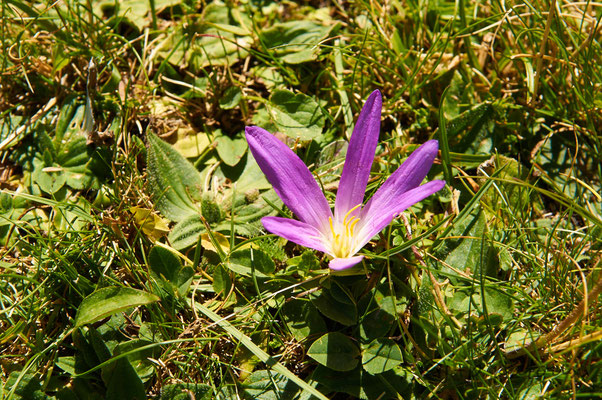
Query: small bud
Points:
[210, 209]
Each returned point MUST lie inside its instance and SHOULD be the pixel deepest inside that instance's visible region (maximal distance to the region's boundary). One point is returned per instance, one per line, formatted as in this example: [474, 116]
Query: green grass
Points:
[487, 289]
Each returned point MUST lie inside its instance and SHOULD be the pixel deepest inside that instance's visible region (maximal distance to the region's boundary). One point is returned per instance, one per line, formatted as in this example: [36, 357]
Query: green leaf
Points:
[268, 385]
[108, 301]
[473, 127]
[174, 182]
[67, 364]
[220, 37]
[296, 115]
[362, 385]
[381, 355]
[251, 261]
[231, 150]
[122, 381]
[295, 42]
[230, 98]
[469, 250]
[496, 302]
[190, 144]
[166, 265]
[302, 319]
[508, 192]
[222, 282]
[186, 232]
[251, 178]
[532, 390]
[139, 353]
[186, 391]
[349, 382]
[343, 312]
[379, 318]
[50, 182]
[24, 386]
[335, 351]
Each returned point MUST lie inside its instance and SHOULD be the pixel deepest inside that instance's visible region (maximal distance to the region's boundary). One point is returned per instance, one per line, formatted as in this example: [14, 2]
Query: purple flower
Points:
[353, 224]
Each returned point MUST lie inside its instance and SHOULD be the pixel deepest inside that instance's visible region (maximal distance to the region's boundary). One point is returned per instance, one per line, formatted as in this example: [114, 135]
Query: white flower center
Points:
[342, 240]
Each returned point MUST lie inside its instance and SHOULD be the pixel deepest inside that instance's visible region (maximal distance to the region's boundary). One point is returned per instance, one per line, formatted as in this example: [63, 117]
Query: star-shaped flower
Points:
[342, 234]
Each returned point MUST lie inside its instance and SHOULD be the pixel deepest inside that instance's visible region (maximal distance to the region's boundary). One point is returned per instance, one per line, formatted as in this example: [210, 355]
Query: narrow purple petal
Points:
[296, 231]
[408, 176]
[289, 176]
[360, 155]
[379, 217]
[339, 264]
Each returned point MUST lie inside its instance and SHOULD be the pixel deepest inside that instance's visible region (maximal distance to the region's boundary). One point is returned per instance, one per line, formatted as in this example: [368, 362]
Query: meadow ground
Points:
[133, 259]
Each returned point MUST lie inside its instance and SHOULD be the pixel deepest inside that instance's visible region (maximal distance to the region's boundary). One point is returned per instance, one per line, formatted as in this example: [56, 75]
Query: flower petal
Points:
[379, 217]
[289, 176]
[408, 176]
[360, 155]
[295, 231]
[339, 264]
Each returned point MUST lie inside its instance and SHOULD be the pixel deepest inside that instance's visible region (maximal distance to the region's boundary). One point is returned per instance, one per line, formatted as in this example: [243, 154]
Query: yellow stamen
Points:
[331, 227]
[349, 212]
[343, 241]
[352, 225]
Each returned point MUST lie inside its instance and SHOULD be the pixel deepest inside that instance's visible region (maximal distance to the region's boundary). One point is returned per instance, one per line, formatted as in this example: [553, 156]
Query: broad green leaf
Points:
[343, 312]
[49, 180]
[84, 167]
[268, 385]
[122, 381]
[508, 189]
[139, 351]
[381, 355]
[222, 282]
[496, 302]
[392, 384]
[269, 76]
[174, 182]
[164, 263]
[469, 250]
[473, 130]
[166, 266]
[221, 38]
[230, 98]
[251, 178]
[379, 318]
[296, 115]
[190, 144]
[349, 382]
[137, 11]
[302, 319]
[532, 389]
[520, 338]
[251, 261]
[23, 386]
[335, 351]
[108, 301]
[186, 391]
[65, 120]
[67, 364]
[186, 232]
[231, 150]
[295, 42]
